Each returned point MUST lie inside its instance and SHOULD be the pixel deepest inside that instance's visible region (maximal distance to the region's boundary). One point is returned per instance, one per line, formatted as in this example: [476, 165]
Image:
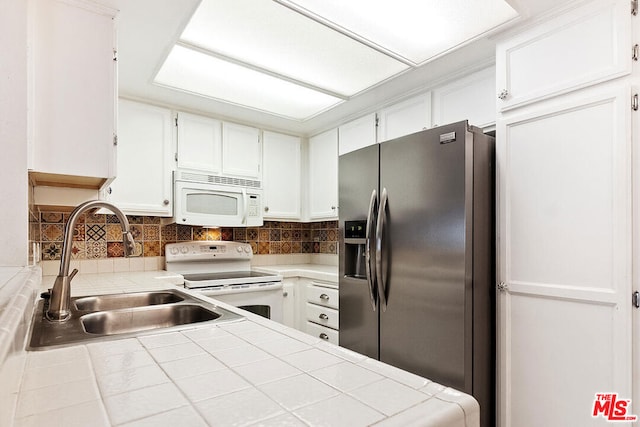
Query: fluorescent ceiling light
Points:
[298, 58]
[413, 29]
[205, 75]
[279, 40]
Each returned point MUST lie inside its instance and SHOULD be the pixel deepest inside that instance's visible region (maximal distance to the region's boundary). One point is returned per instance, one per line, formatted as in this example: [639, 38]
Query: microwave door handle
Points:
[245, 201]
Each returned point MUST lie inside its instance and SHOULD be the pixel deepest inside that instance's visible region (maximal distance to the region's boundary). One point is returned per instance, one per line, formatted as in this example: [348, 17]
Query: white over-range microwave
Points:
[216, 201]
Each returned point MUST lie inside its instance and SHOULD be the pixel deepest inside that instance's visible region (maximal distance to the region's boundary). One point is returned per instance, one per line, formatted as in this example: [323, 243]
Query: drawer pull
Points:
[324, 297]
[324, 336]
[323, 316]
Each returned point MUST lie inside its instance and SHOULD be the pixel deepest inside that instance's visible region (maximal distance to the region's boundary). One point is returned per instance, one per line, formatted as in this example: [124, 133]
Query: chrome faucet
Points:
[60, 298]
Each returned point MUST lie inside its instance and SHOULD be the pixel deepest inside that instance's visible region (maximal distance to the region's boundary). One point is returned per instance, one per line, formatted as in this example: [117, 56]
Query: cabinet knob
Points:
[333, 208]
[503, 95]
[165, 202]
[285, 294]
[324, 297]
[266, 208]
[109, 190]
[323, 316]
[324, 336]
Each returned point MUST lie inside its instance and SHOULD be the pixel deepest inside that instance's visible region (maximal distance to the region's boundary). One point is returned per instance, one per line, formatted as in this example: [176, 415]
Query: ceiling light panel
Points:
[205, 75]
[272, 37]
[414, 29]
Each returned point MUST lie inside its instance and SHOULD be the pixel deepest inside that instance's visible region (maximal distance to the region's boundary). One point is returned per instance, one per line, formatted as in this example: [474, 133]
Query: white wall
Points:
[14, 225]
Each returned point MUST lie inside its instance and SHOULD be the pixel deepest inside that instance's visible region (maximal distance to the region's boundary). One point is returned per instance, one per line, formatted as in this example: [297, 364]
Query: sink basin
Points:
[133, 320]
[117, 301]
[105, 317]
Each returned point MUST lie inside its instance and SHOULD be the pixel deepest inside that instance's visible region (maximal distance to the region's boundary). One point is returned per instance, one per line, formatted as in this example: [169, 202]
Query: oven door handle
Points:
[245, 201]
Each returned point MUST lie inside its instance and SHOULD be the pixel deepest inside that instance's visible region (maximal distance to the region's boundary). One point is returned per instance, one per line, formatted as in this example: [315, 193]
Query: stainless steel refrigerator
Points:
[417, 257]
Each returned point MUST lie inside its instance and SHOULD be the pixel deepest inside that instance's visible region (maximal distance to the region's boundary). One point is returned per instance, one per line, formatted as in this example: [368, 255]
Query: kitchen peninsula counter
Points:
[248, 372]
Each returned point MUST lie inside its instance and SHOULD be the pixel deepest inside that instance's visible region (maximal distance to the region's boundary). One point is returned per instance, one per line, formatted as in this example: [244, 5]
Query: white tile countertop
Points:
[248, 372]
[327, 273]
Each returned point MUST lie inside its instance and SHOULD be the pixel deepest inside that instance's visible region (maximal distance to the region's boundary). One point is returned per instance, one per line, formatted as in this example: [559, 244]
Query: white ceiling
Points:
[148, 30]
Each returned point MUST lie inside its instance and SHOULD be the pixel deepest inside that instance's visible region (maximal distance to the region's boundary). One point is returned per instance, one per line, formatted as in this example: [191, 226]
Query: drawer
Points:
[322, 332]
[322, 315]
[322, 296]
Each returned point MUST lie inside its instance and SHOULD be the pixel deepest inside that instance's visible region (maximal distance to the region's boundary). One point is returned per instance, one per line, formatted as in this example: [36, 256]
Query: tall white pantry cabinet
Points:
[568, 200]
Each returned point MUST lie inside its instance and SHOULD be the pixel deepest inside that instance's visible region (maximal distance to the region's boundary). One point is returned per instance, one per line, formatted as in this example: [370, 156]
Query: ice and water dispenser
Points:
[354, 248]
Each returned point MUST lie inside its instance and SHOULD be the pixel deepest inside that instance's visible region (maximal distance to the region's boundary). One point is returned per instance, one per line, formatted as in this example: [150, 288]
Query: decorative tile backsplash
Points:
[99, 236]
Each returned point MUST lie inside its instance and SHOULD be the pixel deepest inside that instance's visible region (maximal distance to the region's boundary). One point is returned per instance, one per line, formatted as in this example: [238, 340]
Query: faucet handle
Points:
[129, 244]
[73, 274]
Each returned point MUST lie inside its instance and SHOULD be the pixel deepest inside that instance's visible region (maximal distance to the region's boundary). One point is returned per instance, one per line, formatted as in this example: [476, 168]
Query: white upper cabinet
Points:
[281, 176]
[218, 148]
[323, 175]
[199, 143]
[471, 98]
[590, 45]
[73, 92]
[145, 151]
[406, 117]
[357, 134]
[241, 151]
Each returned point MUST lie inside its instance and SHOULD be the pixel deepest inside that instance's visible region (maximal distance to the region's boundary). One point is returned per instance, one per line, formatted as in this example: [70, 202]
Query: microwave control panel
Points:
[253, 207]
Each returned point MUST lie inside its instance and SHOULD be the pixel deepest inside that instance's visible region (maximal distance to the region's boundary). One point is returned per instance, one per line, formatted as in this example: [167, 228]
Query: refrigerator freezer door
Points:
[425, 328]
[358, 172]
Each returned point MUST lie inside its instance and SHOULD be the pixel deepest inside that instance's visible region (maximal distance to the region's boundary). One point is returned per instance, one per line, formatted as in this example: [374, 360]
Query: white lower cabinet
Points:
[289, 302]
[322, 311]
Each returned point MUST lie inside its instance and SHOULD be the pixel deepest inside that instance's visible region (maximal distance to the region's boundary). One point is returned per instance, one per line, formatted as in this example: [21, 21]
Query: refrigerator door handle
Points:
[382, 219]
[370, 233]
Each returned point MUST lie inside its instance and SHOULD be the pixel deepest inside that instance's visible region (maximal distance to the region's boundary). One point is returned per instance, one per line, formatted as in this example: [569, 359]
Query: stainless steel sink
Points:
[117, 301]
[106, 317]
[134, 320]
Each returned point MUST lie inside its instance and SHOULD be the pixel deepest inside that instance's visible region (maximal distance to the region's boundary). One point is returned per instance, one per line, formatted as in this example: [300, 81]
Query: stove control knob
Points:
[247, 249]
[239, 249]
[184, 249]
[174, 251]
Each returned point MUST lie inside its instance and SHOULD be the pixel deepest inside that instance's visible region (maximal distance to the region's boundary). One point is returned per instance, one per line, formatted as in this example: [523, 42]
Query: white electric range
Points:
[222, 270]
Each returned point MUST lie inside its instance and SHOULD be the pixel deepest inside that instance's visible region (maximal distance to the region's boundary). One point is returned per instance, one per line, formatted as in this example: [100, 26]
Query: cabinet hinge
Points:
[115, 140]
[635, 299]
[502, 287]
[634, 7]
[176, 157]
[634, 102]
[377, 120]
[635, 52]
[176, 120]
[115, 55]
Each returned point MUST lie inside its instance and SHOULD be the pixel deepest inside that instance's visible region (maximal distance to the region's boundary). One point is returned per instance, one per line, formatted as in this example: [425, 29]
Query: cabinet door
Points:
[199, 143]
[241, 151]
[323, 176]
[470, 98]
[357, 134]
[404, 118]
[72, 113]
[564, 257]
[145, 154]
[281, 177]
[586, 46]
[289, 302]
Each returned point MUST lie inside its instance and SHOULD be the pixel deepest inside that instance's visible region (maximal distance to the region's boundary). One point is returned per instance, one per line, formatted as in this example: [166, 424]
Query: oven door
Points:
[210, 205]
[266, 303]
